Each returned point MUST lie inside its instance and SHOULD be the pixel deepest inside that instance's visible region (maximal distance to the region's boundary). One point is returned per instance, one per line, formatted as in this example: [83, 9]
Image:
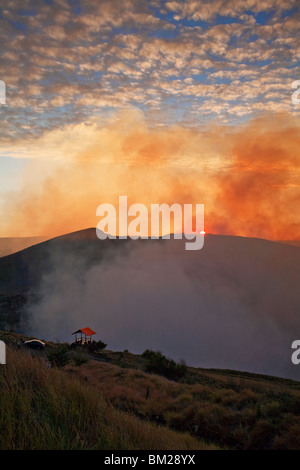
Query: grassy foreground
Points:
[44, 407]
[232, 410]
[119, 400]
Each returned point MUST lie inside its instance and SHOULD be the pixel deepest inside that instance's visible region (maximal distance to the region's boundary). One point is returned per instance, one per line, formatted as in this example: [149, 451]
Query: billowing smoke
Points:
[247, 177]
[234, 304]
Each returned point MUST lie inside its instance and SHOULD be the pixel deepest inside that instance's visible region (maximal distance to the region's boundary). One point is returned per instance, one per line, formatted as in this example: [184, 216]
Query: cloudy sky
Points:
[191, 98]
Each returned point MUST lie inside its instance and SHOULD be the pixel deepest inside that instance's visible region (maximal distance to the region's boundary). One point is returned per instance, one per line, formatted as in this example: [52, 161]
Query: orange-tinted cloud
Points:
[248, 177]
[261, 191]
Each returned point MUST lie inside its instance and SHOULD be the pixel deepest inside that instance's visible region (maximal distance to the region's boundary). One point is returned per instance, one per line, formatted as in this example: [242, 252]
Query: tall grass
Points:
[234, 413]
[44, 407]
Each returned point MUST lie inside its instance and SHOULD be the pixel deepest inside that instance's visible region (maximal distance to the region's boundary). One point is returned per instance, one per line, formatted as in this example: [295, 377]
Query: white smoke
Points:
[220, 307]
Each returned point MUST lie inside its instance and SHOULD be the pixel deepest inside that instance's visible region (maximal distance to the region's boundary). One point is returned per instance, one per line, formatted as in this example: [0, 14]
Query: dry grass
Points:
[47, 408]
[238, 413]
[112, 403]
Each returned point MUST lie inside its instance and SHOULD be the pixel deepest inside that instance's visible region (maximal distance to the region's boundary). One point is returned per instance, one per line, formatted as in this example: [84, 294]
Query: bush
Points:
[157, 363]
[58, 357]
[95, 346]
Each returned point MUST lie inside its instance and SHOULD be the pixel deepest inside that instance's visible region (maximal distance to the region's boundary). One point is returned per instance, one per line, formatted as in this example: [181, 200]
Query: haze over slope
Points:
[234, 304]
[9, 245]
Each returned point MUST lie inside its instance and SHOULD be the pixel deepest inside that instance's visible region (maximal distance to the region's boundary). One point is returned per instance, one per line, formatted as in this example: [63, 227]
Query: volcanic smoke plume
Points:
[247, 177]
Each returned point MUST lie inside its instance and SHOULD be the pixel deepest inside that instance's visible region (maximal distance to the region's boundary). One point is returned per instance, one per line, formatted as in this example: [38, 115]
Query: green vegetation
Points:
[96, 346]
[157, 363]
[59, 356]
[109, 400]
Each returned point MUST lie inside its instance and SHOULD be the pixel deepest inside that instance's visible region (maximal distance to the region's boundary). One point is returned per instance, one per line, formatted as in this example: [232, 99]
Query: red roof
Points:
[86, 331]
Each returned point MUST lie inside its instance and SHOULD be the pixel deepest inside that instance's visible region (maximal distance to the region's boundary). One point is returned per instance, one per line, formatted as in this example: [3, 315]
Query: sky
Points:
[163, 101]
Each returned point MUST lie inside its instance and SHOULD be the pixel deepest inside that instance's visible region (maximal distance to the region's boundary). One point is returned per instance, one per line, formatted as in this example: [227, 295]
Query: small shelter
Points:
[87, 338]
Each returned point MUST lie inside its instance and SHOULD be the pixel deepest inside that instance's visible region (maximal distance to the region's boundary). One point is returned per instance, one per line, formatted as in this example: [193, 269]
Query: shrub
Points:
[157, 363]
[96, 346]
[58, 357]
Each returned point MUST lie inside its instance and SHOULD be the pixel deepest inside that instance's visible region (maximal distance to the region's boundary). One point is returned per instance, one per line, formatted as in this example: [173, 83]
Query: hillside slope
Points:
[45, 408]
[108, 400]
[234, 304]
